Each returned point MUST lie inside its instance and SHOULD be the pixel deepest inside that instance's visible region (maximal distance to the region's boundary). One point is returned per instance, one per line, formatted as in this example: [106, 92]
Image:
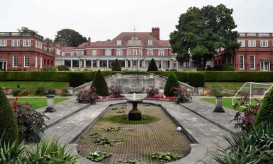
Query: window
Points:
[38, 44]
[3, 43]
[161, 52]
[26, 43]
[108, 52]
[134, 52]
[94, 52]
[150, 42]
[26, 61]
[36, 61]
[128, 52]
[15, 61]
[241, 62]
[264, 43]
[41, 62]
[252, 62]
[119, 42]
[15, 43]
[140, 52]
[150, 52]
[119, 52]
[252, 43]
[242, 43]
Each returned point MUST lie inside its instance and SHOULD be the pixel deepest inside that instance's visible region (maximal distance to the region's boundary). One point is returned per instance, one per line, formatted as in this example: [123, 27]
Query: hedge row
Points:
[210, 76]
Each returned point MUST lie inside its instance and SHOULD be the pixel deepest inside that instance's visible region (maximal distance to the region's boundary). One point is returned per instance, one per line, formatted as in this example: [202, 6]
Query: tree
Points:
[69, 37]
[171, 85]
[48, 40]
[8, 122]
[26, 30]
[200, 32]
[100, 84]
[152, 66]
[116, 66]
[265, 114]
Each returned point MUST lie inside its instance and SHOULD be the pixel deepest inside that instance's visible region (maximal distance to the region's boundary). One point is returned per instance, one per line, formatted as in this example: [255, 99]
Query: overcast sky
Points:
[105, 19]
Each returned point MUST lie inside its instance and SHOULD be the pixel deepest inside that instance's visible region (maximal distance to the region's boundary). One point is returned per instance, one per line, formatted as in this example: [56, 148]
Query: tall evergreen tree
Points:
[152, 66]
[8, 122]
[100, 84]
[116, 66]
[171, 83]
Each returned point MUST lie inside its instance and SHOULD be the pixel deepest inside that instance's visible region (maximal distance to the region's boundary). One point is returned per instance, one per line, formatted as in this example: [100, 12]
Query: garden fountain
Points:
[134, 114]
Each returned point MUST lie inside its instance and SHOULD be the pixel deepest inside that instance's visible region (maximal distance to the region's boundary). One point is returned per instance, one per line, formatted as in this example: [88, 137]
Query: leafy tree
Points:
[26, 30]
[8, 122]
[152, 66]
[116, 66]
[171, 85]
[48, 40]
[200, 32]
[100, 84]
[69, 37]
[266, 112]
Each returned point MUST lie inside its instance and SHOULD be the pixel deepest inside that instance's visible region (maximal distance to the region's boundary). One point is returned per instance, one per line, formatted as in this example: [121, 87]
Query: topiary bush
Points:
[116, 66]
[100, 84]
[152, 66]
[171, 85]
[196, 79]
[76, 79]
[266, 111]
[8, 122]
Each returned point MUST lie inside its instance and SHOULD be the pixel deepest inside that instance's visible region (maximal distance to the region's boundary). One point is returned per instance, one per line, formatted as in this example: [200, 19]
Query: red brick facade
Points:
[25, 51]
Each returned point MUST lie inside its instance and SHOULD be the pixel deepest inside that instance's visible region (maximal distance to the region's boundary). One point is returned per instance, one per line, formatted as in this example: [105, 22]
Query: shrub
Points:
[100, 84]
[266, 111]
[152, 66]
[65, 93]
[51, 91]
[62, 68]
[49, 69]
[30, 122]
[171, 83]
[116, 90]
[27, 92]
[196, 79]
[8, 122]
[15, 92]
[182, 95]
[40, 91]
[76, 79]
[116, 66]
[87, 95]
[49, 152]
[151, 92]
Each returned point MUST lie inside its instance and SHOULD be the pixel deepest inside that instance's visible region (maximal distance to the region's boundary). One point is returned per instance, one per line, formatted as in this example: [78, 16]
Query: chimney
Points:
[155, 33]
[89, 41]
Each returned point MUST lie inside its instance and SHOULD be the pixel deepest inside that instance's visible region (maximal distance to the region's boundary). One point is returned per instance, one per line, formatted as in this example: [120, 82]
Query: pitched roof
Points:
[67, 49]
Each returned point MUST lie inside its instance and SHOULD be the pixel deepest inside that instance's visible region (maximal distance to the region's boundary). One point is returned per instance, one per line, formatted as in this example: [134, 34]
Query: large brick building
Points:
[254, 54]
[25, 51]
[134, 50]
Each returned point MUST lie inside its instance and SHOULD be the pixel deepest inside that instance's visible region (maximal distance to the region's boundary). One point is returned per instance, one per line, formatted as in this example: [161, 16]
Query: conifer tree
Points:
[171, 84]
[116, 66]
[100, 84]
[152, 66]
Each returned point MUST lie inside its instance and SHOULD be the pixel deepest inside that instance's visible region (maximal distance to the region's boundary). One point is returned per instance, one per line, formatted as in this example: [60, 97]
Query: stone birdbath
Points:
[134, 114]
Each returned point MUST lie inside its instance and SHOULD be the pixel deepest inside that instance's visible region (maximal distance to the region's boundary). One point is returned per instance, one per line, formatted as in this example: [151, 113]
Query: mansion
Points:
[20, 51]
[134, 51]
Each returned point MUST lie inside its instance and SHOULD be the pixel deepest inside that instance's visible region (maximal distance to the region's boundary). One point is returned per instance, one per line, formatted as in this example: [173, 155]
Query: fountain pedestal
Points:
[134, 114]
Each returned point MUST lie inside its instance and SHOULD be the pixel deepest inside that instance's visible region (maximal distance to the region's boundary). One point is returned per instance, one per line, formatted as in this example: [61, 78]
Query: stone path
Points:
[206, 127]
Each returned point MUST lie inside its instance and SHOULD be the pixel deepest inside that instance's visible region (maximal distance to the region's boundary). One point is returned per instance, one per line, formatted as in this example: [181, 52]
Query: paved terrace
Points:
[197, 118]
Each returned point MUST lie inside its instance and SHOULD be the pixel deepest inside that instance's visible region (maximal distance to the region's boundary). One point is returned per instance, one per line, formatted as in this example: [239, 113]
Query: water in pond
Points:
[134, 140]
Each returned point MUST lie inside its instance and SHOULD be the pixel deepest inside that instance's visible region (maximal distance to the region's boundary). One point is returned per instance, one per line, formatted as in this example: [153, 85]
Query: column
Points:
[84, 63]
[92, 63]
[171, 64]
[107, 65]
[125, 63]
[161, 62]
[98, 63]
[144, 63]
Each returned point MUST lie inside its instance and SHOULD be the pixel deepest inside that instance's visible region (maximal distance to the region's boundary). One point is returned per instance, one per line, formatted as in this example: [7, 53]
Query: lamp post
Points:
[219, 107]
[50, 104]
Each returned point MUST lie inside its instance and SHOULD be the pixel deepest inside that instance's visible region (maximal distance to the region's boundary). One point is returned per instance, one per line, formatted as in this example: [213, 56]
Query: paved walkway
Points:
[197, 118]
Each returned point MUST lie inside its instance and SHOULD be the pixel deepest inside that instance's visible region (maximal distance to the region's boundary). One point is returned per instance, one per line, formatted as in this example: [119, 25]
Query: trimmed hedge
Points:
[196, 79]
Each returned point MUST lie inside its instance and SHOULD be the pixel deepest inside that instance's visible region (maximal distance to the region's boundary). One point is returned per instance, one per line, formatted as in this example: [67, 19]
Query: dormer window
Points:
[118, 42]
[150, 42]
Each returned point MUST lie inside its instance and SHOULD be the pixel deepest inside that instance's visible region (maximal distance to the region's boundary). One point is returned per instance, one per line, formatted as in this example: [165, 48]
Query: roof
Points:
[67, 49]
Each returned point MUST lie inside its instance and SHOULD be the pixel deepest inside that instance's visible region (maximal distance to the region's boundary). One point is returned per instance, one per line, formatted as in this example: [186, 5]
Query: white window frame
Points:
[119, 52]
[264, 43]
[118, 42]
[108, 52]
[15, 43]
[241, 57]
[242, 43]
[26, 43]
[150, 52]
[150, 42]
[26, 61]
[250, 65]
[15, 61]
[94, 52]
[128, 52]
[3, 43]
[160, 52]
[134, 52]
[41, 62]
[140, 52]
[251, 43]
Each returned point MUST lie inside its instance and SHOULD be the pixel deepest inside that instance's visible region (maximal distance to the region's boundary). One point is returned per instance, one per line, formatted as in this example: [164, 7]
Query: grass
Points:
[34, 84]
[227, 85]
[39, 102]
[226, 102]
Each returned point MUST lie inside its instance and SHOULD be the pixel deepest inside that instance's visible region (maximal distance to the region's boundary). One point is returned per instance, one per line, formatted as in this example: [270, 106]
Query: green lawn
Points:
[231, 85]
[33, 84]
[226, 102]
[39, 102]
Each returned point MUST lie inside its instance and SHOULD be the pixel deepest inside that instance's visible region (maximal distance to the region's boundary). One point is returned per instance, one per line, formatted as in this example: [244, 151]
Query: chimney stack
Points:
[89, 41]
[156, 33]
